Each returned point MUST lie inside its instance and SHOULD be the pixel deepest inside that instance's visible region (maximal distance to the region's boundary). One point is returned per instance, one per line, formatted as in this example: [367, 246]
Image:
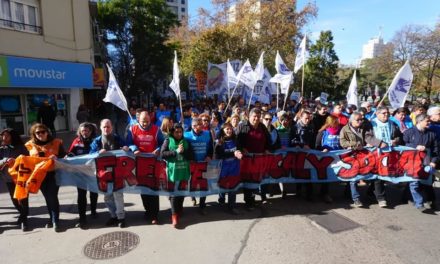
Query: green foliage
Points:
[321, 68]
[136, 32]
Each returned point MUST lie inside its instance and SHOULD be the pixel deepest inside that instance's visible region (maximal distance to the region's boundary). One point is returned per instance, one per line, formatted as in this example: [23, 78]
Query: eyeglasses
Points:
[40, 132]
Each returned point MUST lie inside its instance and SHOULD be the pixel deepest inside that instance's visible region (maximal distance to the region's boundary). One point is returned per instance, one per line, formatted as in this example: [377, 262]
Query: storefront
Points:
[26, 83]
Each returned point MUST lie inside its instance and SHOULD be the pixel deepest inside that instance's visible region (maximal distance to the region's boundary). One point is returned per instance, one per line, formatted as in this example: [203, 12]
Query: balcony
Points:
[20, 26]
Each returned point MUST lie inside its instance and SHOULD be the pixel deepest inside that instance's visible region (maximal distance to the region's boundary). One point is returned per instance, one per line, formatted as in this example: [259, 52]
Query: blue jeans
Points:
[354, 191]
[115, 204]
[416, 192]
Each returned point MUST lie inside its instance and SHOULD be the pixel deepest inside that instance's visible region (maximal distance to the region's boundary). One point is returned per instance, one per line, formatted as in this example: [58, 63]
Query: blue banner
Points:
[122, 171]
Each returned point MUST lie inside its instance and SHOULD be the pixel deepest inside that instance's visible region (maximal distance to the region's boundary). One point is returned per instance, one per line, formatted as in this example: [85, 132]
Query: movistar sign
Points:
[25, 72]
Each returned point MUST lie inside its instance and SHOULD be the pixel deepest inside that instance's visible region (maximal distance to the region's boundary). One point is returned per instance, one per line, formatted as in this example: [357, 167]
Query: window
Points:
[183, 10]
[20, 15]
[183, 2]
[170, 1]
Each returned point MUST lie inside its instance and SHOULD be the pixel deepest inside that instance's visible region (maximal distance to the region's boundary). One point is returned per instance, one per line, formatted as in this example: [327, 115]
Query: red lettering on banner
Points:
[198, 183]
[361, 162]
[145, 172]
[124, 171]
[104, 171]
[320, 165]
[411, 163]
[253, 168]
[298, 166]
[160, 170]
[388, 164]
[275, 167]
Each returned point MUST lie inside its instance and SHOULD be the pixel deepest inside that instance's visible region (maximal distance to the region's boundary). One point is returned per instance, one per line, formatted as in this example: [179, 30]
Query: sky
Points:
[354, 22]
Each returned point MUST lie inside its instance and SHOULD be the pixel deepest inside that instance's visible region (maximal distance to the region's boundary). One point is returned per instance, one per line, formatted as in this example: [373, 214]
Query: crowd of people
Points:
[210, 131]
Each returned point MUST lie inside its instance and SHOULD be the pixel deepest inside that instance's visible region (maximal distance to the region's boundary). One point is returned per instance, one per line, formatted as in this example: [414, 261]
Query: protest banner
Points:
[122, 171]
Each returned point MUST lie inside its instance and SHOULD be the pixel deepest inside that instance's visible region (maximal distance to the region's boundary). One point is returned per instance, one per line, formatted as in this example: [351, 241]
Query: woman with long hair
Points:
[43, 144]
[80, 146]
[11, 147]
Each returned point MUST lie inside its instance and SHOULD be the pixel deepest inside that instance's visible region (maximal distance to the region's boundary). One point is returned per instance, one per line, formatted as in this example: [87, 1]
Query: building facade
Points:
[179, 7]
[373, 48]
[46, 53]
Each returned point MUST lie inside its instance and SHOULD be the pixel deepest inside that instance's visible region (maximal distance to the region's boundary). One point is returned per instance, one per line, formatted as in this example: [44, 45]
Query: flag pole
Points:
[278, 95]
[181, 109]
[302, 80]
[250, 100]
[285, 98]
[232, 95]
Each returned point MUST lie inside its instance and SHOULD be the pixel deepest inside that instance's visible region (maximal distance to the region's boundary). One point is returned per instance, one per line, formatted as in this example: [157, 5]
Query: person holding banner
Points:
[143, 138]
[226, 150]
[107, 142]
[423, 139]
[384, 134]
[352, 137]
[252, 138]
[11, 147]
[303, 135]
[42, 144]
[202, 149]
[80, 146]
[176, 151]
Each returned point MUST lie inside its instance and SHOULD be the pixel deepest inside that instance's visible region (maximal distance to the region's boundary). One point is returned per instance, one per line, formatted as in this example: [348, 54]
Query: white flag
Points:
[300, 55]
[352, 95]
[280, 66]
[232, 78]
[259, 69]
[114, 94]
[175, 83]
[399, 88]
[246, 75]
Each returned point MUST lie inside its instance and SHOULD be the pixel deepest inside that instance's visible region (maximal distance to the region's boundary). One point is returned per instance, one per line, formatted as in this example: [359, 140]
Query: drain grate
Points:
[334, 222]
[111, 245]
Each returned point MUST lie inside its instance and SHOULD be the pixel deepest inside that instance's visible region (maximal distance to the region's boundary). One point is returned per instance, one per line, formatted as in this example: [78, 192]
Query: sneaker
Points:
[382, 204]
[113, 221]
[250, 207]
[284, 195]
[421, 208]
[24, 226]
[56, 227]
[121, 223]
[221, 200]
[49, 225]
[154, 222]
[357, 204]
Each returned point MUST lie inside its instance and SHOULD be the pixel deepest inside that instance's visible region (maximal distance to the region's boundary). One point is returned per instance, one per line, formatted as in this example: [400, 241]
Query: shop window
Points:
[20, 15]
[10, 113]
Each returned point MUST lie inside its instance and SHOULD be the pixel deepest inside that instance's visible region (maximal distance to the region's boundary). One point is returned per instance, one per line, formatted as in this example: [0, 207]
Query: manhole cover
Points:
[111, 245]
[334, 222]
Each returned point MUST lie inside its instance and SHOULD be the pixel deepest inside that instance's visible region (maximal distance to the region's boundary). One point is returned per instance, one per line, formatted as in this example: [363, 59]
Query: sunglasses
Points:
[40, 132]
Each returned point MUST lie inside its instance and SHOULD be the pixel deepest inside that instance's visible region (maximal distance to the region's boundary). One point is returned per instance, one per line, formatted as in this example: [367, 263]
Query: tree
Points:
[243, 32]
[136, 32]
[322, 66]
